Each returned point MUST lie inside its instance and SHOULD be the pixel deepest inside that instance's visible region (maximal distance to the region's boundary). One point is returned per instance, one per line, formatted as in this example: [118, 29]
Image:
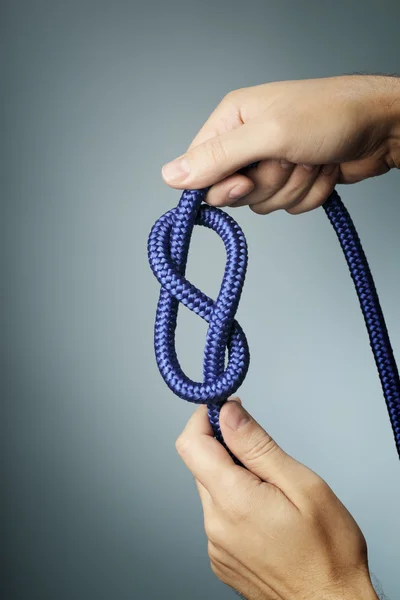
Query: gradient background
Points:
[98, 95]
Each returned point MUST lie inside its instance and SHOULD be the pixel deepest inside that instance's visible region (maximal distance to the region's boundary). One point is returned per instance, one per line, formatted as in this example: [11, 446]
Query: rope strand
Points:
[370, 306]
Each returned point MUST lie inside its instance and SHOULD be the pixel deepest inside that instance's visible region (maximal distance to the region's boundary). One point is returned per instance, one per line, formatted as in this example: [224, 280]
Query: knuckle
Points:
[316, 492]
[215, 150]
[181, 445]
[237, 505]
[294, 210]
[259, 209]
[264, 445]
[214, 531]
[229, 96]
[236, 510]
[232, 95]
[278, 128]
[320, 488]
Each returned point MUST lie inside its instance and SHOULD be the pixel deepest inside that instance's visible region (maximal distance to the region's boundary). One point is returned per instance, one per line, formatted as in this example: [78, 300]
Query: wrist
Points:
[391, 108]
[380, 94]
[368, 592]
[358, 587]
[363, 590]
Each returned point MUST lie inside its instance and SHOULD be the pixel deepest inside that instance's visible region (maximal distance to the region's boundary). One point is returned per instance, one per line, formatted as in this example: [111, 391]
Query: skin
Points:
[349, 124]
[276, 530]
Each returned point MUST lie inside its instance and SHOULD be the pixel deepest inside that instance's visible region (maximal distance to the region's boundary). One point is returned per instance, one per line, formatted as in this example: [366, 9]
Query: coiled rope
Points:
[168, 247]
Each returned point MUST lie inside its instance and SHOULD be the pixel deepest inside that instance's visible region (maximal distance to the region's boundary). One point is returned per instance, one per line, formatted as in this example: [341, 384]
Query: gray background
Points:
[98, 95]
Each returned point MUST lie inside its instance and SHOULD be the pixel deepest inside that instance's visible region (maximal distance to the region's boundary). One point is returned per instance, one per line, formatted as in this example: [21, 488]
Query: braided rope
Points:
[370, 306]
[168, 248]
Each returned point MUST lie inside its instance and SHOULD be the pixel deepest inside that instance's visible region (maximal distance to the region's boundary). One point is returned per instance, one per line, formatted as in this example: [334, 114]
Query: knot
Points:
[168, 247]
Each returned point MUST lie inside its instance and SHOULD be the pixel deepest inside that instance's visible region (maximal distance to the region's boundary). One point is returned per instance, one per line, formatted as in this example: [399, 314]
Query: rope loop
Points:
[168, 247]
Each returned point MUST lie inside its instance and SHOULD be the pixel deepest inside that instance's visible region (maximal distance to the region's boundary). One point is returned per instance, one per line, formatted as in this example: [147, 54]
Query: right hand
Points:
[347, 128]
[275, 528]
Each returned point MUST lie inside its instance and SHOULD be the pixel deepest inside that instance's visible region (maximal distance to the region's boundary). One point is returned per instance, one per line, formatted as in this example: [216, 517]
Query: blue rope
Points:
[168, 247]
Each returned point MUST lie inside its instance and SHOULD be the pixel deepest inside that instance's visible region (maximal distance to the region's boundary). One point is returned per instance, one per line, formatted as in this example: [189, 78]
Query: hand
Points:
[344, 129]
[276, 530]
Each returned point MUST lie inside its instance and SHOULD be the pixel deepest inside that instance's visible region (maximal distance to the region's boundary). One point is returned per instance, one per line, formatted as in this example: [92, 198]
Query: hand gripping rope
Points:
[168, 247]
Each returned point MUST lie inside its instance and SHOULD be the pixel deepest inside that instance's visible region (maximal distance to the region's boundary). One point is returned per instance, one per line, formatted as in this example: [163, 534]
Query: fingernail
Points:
[285, 164]
[328, 169]
[236, 416]
[236, 192]
[176, 170]
[309, 167]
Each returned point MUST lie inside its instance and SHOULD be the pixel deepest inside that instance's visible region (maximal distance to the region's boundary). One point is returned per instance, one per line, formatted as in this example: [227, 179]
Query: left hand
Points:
[307, 136]
[276, 530]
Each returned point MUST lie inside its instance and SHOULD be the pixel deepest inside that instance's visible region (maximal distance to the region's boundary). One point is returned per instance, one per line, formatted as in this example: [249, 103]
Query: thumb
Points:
[222, 155]
[257, 450]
